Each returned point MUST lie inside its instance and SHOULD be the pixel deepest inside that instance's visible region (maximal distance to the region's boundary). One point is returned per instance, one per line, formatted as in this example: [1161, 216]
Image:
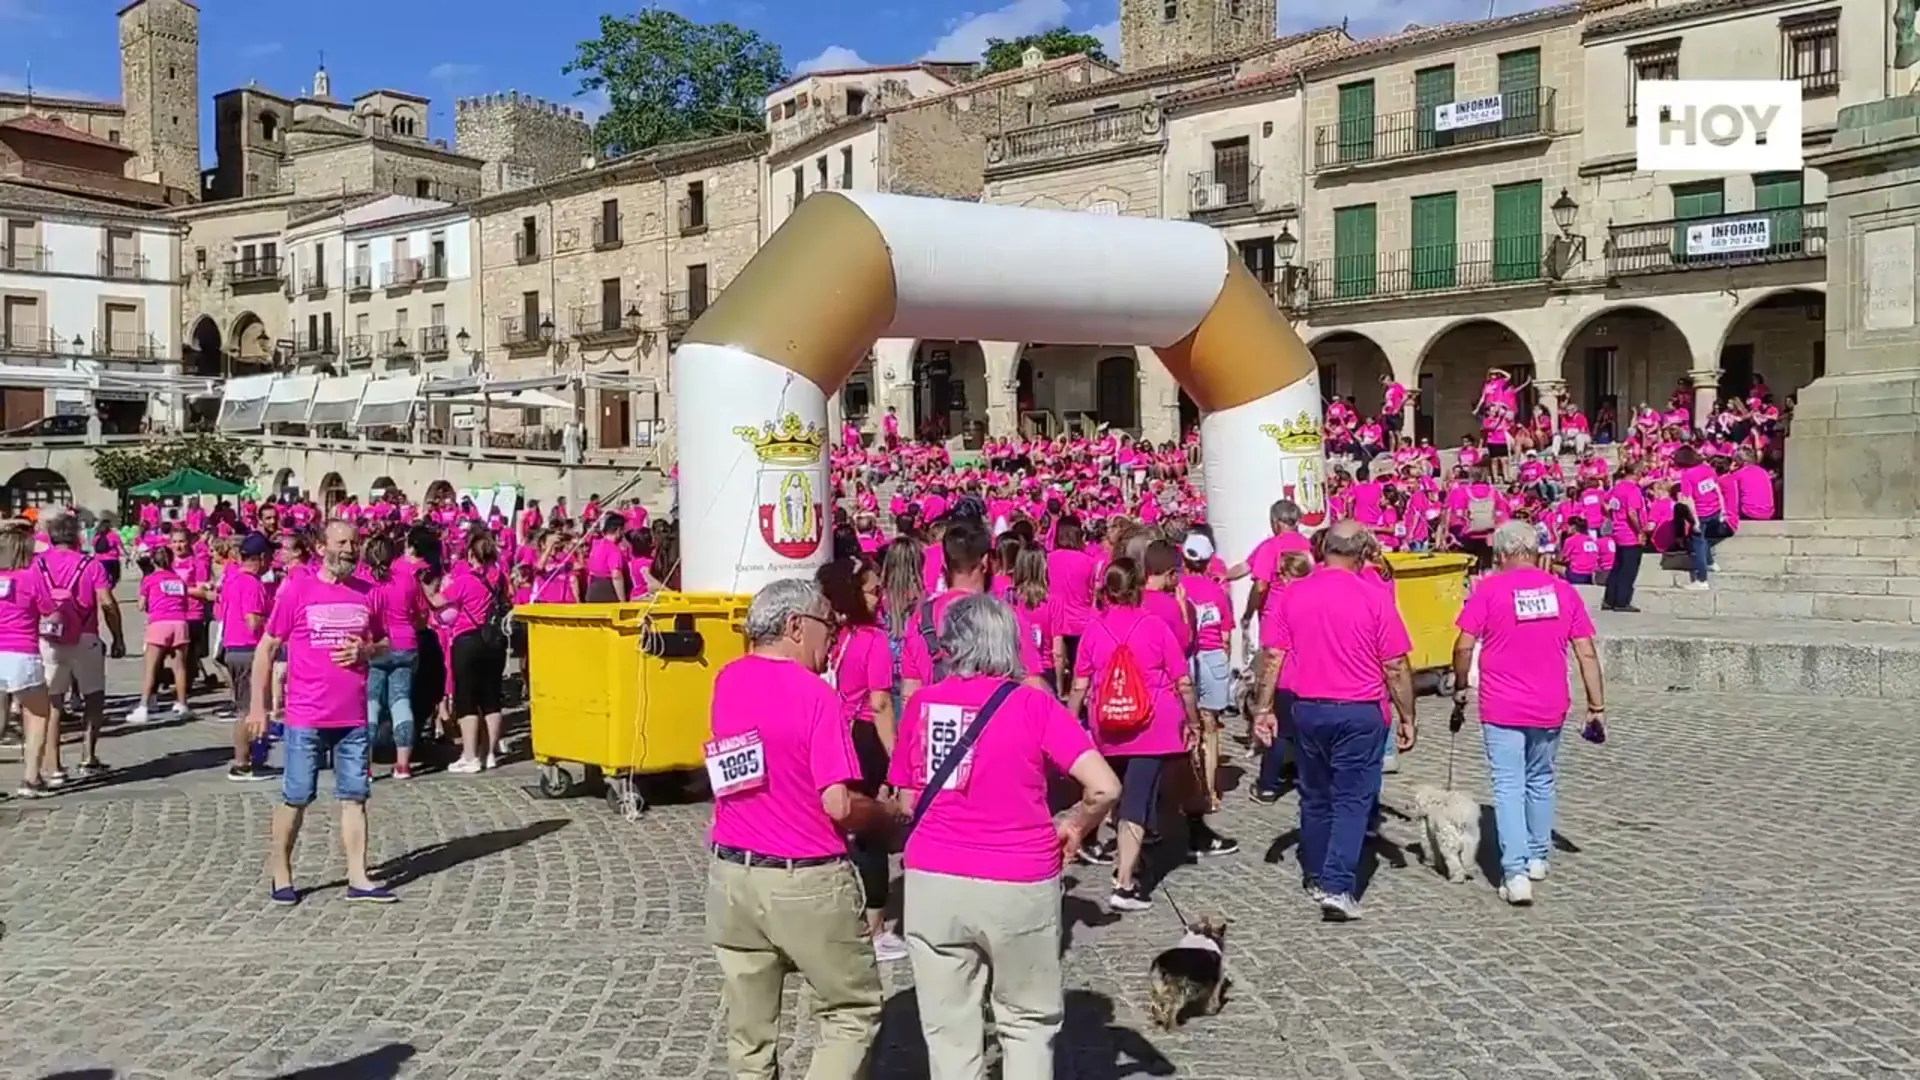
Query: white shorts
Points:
[20, 672]
[81, 665]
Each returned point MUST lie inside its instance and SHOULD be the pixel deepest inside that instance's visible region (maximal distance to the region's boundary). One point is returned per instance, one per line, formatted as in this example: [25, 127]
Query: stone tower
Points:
[160, 90]
[524, 140]
[1155, 32]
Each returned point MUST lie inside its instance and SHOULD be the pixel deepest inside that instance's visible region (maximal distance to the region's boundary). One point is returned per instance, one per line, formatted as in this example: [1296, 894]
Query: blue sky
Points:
[450, 48]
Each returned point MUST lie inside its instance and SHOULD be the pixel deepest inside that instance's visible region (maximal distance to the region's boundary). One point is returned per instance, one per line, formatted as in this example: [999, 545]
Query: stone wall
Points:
[384, 166]
[160, 90]
[1199, 28]
[523, 139]
[932, 152]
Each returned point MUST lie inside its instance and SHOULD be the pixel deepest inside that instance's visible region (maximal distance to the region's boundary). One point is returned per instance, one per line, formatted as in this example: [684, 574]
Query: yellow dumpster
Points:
[623, 690]
[1430, 590]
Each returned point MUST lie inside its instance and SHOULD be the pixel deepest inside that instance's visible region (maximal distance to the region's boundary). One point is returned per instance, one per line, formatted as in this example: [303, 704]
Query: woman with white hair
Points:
[1524, 620]
[983, 852]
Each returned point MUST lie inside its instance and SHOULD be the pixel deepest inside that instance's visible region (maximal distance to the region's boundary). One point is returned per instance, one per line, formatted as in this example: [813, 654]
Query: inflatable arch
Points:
[753, 374]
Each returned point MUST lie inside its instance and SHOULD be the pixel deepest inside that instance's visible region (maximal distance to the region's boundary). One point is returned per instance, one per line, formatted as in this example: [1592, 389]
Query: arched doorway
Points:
[1117, 393]
[383, 489]
[950, 387]
[1620, 359]
[36, 488]
[251, 342]
[283, 485]
[1455, 365]
[1778, 342]
[204, 357]
[438, 492]
[1351, 365]
[333, 492]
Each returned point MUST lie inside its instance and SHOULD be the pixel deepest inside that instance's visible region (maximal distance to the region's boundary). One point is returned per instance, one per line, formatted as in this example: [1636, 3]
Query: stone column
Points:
[1706, 389]
[1855, 445]
[893, 382]
[1002, 360]
[1159, 398]
[1549, 391]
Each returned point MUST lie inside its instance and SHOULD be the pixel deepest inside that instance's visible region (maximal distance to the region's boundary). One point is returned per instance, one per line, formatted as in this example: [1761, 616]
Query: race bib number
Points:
[1708, 487]
[1533, 605]
[6, 588]
[1039, 636]
[173, 588]
[736, 765]
[945, 725]
[1400, 531]
[448, 615]
[1206, 614]
[51, 626]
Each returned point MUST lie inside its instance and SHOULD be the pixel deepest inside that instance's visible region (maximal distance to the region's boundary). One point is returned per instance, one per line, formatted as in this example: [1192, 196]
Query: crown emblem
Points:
[788, 442]
[1299, 435]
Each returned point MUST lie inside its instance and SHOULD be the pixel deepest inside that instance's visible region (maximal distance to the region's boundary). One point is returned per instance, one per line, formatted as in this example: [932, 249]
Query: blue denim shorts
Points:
[1211, 680]
[302, 751]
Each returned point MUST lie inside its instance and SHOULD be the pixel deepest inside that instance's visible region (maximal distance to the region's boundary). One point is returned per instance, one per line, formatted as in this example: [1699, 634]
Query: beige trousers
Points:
[764, 922]
[965, 935]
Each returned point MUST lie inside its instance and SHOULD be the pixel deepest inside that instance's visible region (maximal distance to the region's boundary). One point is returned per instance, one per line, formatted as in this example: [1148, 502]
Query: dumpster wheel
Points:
[624, 797]
[555, 782]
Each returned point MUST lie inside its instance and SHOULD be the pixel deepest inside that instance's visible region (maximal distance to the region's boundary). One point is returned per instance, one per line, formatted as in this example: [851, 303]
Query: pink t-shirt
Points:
[164, 593]
[806, 748]
[467, 599]
[1755, 487]
[1161, 663]
[862, 665]
[604, 558]
[991, 820]
[1264, 565]
[24, 601]
[403, 606]
[1070, 581]
[1212, 611]
[1581, 553]
[1167, 607]
[1525, 618]
[241, 594]
[1626, 503]
[1702, 484]
[314, 617]
[82, 577]
[1037, 631]
[1338, 631]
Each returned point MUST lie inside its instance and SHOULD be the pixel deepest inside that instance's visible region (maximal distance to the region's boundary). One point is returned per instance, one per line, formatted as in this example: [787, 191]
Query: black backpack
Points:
[497, 631]
[930, 637]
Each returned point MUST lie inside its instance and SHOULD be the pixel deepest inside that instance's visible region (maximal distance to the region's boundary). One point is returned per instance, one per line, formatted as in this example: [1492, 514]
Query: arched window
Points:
[269, 126]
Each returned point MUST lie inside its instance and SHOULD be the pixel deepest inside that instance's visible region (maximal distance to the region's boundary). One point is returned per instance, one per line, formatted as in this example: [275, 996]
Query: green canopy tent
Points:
[185, 483]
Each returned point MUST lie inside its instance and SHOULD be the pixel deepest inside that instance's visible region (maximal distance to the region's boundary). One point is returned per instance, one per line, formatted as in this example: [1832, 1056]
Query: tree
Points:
[668, 79]
[1004, 55]
[119, 468]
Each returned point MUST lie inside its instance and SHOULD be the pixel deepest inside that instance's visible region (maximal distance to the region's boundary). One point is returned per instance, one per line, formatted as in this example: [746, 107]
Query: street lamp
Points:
[1567, 248]
[1564, 211]
[1292, 278]
[463, 339]
[1285, 244]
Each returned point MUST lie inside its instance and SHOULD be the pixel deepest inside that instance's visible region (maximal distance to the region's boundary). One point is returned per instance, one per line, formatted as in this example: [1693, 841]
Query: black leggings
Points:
[478, 670]
[870, 856]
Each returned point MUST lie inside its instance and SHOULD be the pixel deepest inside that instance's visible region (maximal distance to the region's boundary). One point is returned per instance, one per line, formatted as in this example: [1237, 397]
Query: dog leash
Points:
[1168, 893]
[1454, 724]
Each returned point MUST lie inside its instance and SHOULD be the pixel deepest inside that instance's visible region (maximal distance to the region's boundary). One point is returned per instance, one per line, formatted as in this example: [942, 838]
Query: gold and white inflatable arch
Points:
[753, 374]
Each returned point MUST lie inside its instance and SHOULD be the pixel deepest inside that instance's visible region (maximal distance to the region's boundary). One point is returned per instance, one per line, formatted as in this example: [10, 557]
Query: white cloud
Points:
[17, 84]
[831, 58]
[967, 37]
[450, 73]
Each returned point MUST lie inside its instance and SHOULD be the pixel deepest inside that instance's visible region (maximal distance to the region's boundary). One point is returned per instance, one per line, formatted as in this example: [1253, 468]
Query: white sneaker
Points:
[139, 715]
[180, 712]
[1696, 586]
[889, 947]
[466, 766]
[493, 762]
[1537, 869]
[1517, 890]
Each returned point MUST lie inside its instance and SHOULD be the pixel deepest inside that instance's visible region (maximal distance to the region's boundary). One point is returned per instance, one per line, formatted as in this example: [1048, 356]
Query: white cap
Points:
[1197, 548]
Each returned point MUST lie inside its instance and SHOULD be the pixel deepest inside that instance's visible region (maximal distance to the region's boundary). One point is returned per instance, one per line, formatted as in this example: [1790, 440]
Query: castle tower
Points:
[524, 140]
[1155, 32]
[160, 90]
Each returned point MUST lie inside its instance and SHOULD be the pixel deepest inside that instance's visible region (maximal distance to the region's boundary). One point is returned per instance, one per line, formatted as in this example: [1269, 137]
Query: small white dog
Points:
[1451, 822]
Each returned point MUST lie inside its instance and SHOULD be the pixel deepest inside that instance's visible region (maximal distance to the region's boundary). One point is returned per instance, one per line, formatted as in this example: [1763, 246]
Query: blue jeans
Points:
[390, 688]
[1340, 752]
[303, 751]
[1520, 766]
[1699, 543]
[1275, 757]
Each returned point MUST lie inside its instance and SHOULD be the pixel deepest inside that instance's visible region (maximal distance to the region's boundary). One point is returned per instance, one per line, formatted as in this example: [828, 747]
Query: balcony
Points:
[684, 307]
[28, 257]
[1496, 119]
[1121, 129]
[396, 344]
[693, 216]
[433, 268]
[606, 233]
[401, 273]
[433, 341]
[526, 247]
[28, 341]
[121, 266]
[313, 346]
[359, 280]
[521, 333]
[125, 344]
[603, 322]
[1224, 193]
[358, 348]
[313, 283]
[1757, 236]
[261, 270]
[1438, 269]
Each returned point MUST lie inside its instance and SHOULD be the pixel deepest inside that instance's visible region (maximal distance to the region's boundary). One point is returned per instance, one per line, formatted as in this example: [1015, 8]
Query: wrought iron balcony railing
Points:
[519, 332]
[122, 266]
[1437, 268]
[259, 270]
[401, 273]
[358, 348]
[360, 279]
[313, 345]
[30, 257]
[1757, 236]
[127, 344]
[433, 341]
[685, 306]
[396, 343]
[606, 233]
[602, 320]
[1495, 118]
[1224, 191]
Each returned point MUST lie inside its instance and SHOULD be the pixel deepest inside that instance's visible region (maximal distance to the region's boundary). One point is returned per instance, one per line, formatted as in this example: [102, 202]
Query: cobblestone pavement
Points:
[1729, 903]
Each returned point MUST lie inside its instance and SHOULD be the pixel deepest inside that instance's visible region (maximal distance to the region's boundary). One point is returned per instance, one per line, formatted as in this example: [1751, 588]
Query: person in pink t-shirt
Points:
[1341, 647]
[780, 896]
[1043, 651]
[1700, 494]
[983, 862]
[403, 603]
[1071, 581]
[607, 563]
[164, 596]
[241, 608]
[25, 601]
[1580, 553]
[1212, 672]
[476, 660]
[331, 624]
[1524, 620]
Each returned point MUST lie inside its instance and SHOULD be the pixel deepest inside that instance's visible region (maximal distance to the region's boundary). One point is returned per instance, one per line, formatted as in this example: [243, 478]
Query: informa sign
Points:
[1455, 115]
[1730, 237]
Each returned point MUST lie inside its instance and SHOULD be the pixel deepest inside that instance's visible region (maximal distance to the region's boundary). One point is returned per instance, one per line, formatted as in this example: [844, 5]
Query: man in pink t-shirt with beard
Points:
[1524, 620]
[780, 893]
[330, 623]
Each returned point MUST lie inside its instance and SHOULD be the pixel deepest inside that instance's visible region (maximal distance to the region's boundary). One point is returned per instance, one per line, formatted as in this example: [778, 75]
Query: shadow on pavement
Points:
[170, 764]
[379, 1064]
[1091, 1045]
[434, 858]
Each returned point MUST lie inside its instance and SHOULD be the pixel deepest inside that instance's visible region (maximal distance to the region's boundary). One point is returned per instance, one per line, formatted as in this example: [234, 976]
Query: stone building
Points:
[523, 139]
[160, 90]
[600, 271]
[368, 276]
[100, 119]
[1157, 33]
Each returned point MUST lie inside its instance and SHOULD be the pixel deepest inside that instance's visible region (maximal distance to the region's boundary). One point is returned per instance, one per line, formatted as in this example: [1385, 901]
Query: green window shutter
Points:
[1354, 258]
[1434, 253]
[1516, 231]
[1356, 121]
[1520, 92]
[1431, 87]
[1784, 194]
[1692, 202]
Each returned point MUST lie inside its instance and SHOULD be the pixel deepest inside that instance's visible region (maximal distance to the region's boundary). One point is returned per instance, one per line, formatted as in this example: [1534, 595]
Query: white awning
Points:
[495, 398]
[291, 398]
[388, 402]
[244, 403]
[335, 401]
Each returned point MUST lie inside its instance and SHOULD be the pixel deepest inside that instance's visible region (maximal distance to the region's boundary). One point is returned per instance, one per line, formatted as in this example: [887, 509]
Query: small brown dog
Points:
[1192, 975]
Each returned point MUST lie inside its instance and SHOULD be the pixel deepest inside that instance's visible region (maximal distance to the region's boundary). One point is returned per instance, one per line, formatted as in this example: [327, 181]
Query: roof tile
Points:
[40, 125]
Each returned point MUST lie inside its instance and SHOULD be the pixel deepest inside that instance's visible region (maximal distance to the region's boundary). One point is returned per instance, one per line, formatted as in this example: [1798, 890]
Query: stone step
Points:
[1740, 599]
[1800, 657]
[1833, 527]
